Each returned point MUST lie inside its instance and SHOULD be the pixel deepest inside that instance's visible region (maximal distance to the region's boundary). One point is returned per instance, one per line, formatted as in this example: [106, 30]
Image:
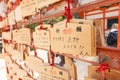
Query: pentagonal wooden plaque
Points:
[41, 39]
[76, 39]
[48, 72]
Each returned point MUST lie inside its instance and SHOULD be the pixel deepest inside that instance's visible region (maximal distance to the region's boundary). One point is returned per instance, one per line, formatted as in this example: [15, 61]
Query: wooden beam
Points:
[101, 12]
[55, 5]
[80, 9]
[96, 5]
[104, 11]
[118, 45]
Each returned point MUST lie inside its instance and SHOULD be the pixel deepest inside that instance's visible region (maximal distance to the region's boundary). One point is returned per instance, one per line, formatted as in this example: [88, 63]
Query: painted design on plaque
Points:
[115, 63]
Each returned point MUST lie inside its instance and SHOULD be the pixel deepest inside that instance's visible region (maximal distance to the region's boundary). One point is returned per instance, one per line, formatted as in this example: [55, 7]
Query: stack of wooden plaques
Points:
[78, 38]
[13, 71]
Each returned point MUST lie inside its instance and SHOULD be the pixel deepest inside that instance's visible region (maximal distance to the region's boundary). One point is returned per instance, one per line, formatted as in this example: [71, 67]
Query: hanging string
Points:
[23, 23]
[12, 6]
[0, 19]
[102, 69]
[67, 11]
[35, 52]
[16, 25]
[52, 57]
[7, 69]
[40, 23]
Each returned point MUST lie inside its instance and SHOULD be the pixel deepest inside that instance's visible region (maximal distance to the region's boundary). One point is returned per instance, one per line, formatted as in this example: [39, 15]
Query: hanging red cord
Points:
[0, 19]
[103, 68]
[12, 6]
[67, 11]
[18, 2]
[23, 23]
[16, 25]
[5, 41]
[52, 57]
[35, 52]
[40, 22]
[7, 70]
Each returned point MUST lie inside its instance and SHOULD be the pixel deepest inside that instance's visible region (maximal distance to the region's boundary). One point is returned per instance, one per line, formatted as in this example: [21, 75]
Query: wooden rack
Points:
[86, 7]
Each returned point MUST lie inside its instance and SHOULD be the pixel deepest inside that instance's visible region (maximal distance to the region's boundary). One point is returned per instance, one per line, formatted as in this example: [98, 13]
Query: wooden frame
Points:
[111, 54]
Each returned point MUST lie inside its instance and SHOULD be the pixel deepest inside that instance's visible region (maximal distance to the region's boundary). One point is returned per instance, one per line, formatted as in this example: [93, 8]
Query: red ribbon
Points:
[67, 11]
[5, 29]
[18, 2]
[103, 68]
[7, 41]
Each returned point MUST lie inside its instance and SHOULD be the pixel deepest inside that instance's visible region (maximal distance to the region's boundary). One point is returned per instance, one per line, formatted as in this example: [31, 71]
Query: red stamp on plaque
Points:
[67, 31]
